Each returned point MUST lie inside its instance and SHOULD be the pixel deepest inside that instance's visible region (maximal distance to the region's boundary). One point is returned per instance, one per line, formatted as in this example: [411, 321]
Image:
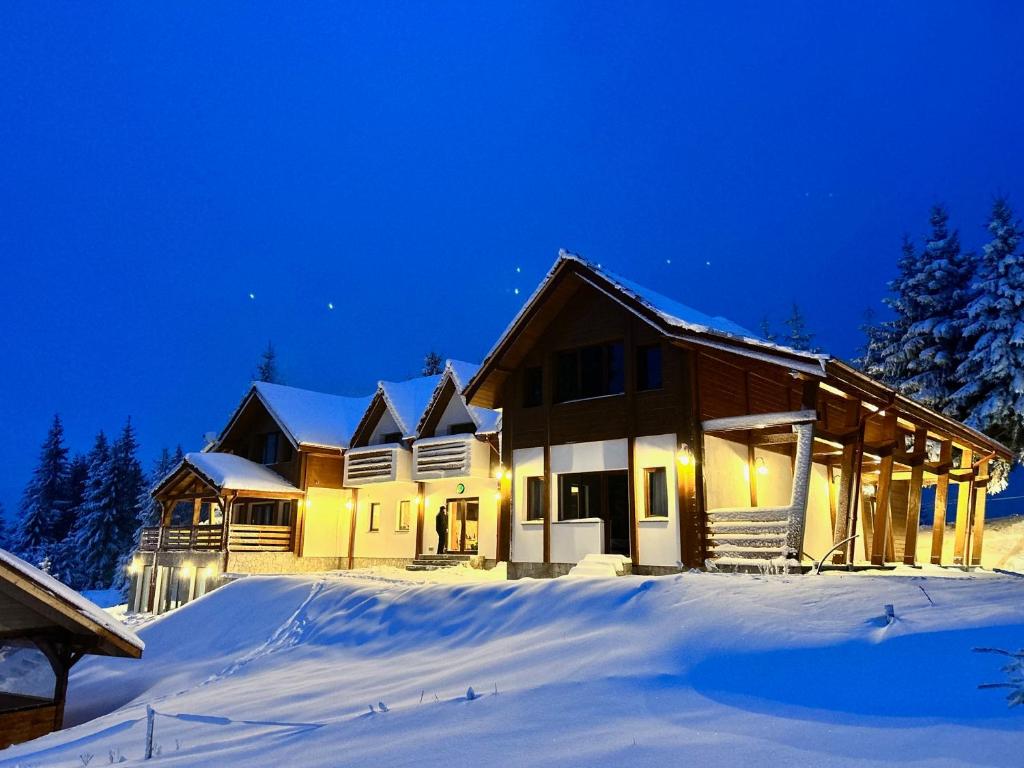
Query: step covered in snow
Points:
[600, 566]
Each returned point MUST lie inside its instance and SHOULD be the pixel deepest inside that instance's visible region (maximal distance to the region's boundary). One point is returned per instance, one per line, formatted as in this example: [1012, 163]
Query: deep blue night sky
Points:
[160, 163]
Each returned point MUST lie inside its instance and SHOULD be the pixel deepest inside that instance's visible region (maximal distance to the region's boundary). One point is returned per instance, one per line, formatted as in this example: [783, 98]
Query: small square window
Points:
[402, 523]
[465, 428]
[392, 437]
[374, 516]
[535, 498]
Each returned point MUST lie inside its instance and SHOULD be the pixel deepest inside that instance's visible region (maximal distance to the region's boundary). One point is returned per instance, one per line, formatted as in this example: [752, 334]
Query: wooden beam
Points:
[420, 504]
[846, 500]
[978, 526]
[880, 528]
[352, 527]
[634, 527]
[941, 501]
[547, 502]
[630, 387]
[914, 496]
[964, 492]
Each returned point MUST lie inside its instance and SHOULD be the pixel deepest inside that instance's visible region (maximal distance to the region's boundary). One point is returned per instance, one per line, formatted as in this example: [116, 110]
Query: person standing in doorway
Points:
[442, 531]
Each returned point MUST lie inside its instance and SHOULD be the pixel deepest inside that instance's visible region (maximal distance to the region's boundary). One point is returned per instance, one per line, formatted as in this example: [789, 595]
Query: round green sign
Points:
[460, 488]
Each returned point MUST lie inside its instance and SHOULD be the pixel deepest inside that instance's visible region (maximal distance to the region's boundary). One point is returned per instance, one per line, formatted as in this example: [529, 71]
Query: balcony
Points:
[377, 464]
[210, 538]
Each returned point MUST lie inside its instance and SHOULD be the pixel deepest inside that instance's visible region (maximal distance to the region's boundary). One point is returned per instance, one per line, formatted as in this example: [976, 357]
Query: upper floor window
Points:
[533, 387]
[648, 367]
[392, 437]
[590, 372]
[271, 445]
[465, 428]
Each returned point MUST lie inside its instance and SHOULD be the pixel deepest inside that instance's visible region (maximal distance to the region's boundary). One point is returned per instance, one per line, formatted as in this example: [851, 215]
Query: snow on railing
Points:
[447, 457]
[376, 464]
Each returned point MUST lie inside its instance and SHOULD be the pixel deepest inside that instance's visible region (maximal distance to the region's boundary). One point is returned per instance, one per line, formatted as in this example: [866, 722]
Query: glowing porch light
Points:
[684, 455]
[134, 567]
[186, 568]
[349, 505]
[419, 501]
[209, 571]
[760, 466]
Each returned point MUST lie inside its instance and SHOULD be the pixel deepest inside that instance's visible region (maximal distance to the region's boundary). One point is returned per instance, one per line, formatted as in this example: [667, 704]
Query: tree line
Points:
[80, 515]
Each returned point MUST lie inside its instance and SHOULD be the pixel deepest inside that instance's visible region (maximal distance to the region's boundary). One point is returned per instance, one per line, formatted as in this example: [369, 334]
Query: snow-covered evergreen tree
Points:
[266, 369]
[871, 356]
[935, 294]
[433, 364]
[96, 533]
[45, 499]
[797, 336]
[61, 552]
[889, 339]
[130, 492]
[992, 395]
[149, 508]
[4, 531]
[766, 330]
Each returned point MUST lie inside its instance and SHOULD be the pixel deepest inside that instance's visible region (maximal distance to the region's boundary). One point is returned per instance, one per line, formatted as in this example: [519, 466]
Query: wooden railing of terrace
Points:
[259, 538]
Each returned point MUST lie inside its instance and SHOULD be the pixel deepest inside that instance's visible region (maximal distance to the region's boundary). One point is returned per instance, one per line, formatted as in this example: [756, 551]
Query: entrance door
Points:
[616, 513]
[604, 495]
[463, 525]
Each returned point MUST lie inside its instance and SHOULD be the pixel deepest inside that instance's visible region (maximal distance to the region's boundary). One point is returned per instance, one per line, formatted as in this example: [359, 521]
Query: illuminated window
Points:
[403, 516]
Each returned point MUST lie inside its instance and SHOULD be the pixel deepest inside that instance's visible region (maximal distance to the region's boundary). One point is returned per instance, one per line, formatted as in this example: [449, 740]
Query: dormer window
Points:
[392, 437]
[465, 428]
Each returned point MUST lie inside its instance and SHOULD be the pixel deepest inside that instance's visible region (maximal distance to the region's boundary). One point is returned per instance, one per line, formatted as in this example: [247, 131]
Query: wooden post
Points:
[880, 530]
[420, 503]
[506, 505]
[547, 502]
[149, 732]
[978, 526]
[914, 497]
[964, 493]
[939, 516]
[634, 527]
[197, 511]
[352, 527]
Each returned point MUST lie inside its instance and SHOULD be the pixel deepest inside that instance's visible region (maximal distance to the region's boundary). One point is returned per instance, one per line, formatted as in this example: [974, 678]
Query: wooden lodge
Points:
[45, 628]
[608, 420]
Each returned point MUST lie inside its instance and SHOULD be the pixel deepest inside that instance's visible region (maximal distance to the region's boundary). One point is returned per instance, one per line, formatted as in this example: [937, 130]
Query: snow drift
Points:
[720, 669]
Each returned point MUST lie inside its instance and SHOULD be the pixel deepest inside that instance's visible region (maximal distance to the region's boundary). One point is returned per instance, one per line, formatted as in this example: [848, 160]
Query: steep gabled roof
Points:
[407, 400]
[459, 373]
[228, 472]
[668, 316]
[307, 418]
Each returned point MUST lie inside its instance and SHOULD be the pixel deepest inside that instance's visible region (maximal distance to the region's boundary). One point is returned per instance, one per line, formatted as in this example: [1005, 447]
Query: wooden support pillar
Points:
[353, 513]
[197, 511]
[547, 502]
[420, 504]
[505, 505]
[914, 497]
[880, 534]
[941, 501]
[978, 524]
[964, 495]
[634, 527]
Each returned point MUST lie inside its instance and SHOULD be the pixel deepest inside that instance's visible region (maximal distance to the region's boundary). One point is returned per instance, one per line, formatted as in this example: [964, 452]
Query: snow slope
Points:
[705, 669]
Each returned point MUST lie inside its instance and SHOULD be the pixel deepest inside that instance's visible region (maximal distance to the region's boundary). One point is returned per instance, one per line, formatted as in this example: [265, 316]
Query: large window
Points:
[374, 516]
[590, 372]
[402, 523]
[535, 498]
[648, 367]
[656, 491]
[263, 513]
[579, 496]
[533, 387]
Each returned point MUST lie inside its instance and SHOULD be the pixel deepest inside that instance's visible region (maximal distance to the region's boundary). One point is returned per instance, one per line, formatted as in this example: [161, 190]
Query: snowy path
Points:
[703, 668]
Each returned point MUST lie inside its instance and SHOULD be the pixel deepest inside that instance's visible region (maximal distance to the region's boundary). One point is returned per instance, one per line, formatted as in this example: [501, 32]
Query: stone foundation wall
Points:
[281, 562]
[371, 562]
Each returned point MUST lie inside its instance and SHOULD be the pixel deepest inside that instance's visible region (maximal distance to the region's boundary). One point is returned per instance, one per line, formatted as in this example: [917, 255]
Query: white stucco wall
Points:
[454, 413]
[527, 537]
[438, 492]
[818, 530]
[386, 541]
[385, 425]
[325, 523]
[659, 537]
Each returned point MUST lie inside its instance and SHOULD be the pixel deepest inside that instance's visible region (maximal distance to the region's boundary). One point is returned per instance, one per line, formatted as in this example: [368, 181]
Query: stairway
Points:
[434, 562]
[600, 567]
[750, 539]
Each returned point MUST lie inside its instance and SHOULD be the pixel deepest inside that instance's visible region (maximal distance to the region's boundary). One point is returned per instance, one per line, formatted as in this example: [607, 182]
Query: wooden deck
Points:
[23, 718]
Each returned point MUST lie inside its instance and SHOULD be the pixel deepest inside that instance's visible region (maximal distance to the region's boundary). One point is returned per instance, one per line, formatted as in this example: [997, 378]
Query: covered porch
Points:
[219, 502]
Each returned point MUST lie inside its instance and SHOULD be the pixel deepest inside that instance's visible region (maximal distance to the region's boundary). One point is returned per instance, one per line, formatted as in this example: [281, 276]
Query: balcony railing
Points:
[210, 538]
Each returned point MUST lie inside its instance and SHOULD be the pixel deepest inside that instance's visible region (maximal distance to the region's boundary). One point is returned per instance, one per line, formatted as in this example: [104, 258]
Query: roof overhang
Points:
[189, 468]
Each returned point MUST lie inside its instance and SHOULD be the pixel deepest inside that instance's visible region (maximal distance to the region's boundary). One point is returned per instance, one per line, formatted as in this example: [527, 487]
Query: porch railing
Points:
[210, 538]
[259, 538]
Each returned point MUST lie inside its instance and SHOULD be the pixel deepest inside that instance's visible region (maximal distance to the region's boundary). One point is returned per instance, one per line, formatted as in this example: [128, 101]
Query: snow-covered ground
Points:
[1003, 544]
[699, 668]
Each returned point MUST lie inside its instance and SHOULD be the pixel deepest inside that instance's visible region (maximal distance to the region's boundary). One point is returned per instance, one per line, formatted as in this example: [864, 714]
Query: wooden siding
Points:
[243, 440]
[27, 724]
[323, 472]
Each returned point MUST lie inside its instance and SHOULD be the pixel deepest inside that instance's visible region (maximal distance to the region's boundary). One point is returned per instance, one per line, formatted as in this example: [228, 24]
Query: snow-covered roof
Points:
[407, 400]
[225, 470]
[487, 421]
[90, 613]
[313, 418]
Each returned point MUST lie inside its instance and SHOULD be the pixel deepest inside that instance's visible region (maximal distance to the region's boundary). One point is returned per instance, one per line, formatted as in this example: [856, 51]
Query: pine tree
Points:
[4, 533]
[433, 364]
[45, 499]
[935, 297]
[95, 535]
[62, 553]
[129, 492]
[266, 369]
[797, 335]
[992, 396]
[766, 330]
[148, 506]
[870, 357]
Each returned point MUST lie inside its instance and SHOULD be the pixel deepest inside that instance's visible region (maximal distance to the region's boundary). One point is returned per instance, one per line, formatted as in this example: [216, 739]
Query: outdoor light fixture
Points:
[209, 571]
[419, 500]
[685, 455]
[760, 467]
[134, 567]
[349, 505]
[186, 568]
[500, 473]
